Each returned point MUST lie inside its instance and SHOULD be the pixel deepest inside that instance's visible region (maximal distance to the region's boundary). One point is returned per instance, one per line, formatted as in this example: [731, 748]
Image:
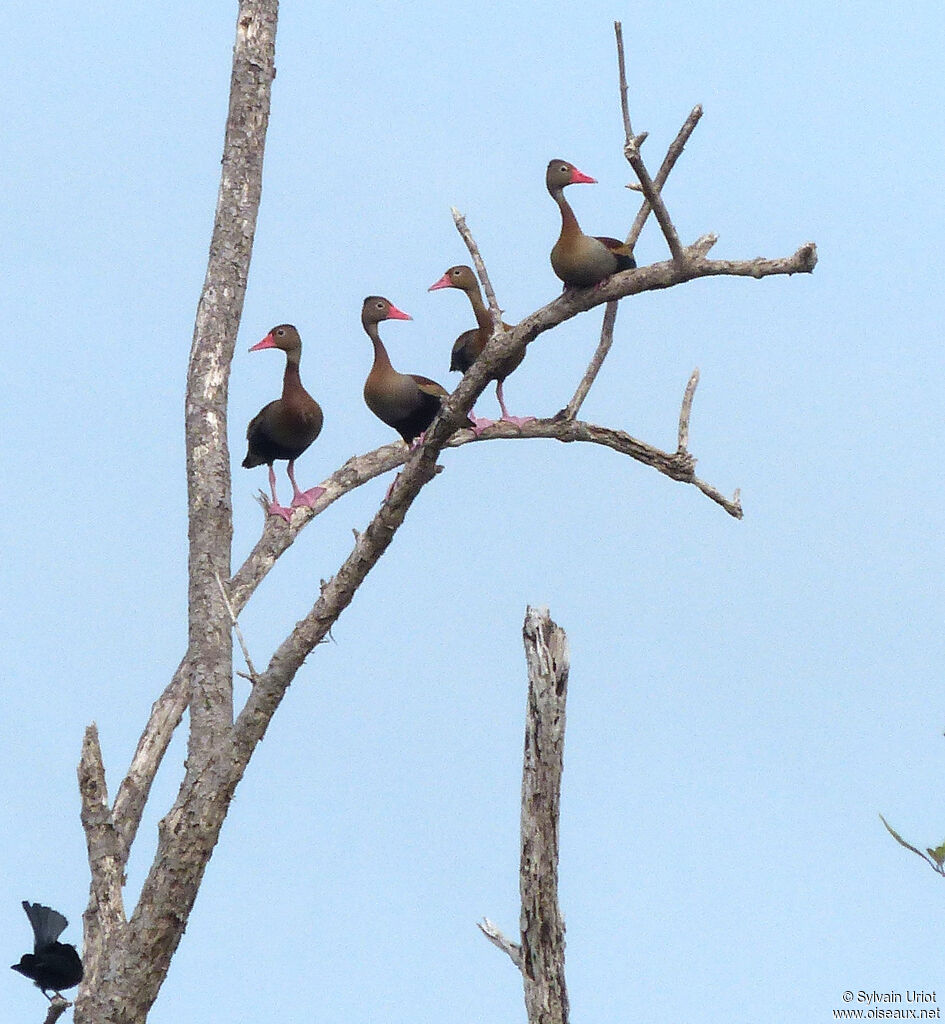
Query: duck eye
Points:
[281, 332]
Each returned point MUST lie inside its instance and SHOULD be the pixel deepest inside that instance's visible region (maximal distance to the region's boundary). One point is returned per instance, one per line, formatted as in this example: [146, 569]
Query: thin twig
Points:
[622, 72]
[669, 161]
[237, 630]
[597, 361]
[498, 939]
[683, 444]
[935, 862]
[610, 312]
[631, 151]
[460, 221]
[731, 505]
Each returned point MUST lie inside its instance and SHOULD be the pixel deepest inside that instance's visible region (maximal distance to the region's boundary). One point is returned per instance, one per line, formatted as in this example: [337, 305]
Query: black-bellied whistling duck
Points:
[404, 401]
[469, 345]
[283, 429]
[581, 260]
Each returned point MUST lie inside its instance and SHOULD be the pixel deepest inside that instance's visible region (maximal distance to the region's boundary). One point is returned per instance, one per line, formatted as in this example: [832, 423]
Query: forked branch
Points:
[631, 150]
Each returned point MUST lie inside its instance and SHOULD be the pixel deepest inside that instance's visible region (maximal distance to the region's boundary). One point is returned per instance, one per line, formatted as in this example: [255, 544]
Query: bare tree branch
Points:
[622, 82]
[935, 858]
[337, 593]
[496, 937]
[57, 1007]
[682, 444]
[494, 311]
[610, 312]
[669, 161]
[631, 150]
[277, 537]
[104, 918]
[236, 629]
[594, 367]
[546, 651]
[166, 714]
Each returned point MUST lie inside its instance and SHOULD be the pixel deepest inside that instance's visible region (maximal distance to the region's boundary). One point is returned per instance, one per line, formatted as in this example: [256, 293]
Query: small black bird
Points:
[52, 964]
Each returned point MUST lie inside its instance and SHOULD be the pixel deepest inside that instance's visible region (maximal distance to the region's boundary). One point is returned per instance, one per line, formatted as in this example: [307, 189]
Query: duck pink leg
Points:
[275, 509]
[479, 425]
[306, 498]
[518, 421]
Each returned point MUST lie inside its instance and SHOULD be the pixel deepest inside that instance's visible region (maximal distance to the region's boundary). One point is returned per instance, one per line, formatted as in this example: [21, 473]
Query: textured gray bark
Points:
[127, 959]
[542, 926]
[127, 956]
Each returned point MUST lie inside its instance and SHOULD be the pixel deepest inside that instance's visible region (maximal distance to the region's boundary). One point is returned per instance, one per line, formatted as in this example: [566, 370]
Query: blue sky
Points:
[745, 697]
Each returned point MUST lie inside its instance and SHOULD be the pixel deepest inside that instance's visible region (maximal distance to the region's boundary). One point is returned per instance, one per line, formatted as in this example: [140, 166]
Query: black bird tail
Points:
[48, 924]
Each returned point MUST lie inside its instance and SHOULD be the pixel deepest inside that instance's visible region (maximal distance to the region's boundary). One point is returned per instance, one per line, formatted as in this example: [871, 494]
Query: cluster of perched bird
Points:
[284, 429]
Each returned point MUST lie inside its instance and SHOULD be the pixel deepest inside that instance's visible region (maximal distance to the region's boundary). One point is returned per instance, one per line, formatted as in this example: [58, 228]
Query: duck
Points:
[581, 260]
[405, 401]
[469, 345]
[285, 428]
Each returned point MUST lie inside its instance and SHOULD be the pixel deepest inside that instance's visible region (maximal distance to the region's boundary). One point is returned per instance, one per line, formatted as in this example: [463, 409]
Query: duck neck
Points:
[291, 380]
[569, 225]
[483, 317]
[381, 358]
